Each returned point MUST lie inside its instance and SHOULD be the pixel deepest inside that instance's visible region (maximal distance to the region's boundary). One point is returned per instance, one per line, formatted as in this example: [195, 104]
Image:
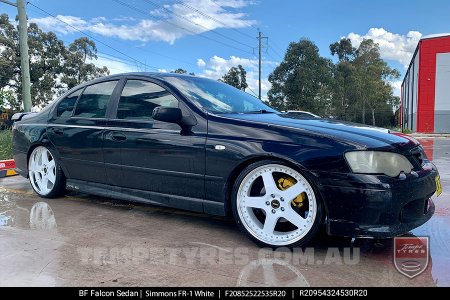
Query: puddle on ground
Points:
[39, 217]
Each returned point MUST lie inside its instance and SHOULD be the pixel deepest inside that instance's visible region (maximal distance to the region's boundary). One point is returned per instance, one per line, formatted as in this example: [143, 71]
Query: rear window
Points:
[65, 106]
[94, 100]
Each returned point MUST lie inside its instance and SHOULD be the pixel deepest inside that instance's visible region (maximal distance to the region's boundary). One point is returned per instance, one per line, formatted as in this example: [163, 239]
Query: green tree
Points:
[53, 66]
[46, 65]
[343, 49]
[9, 57]
[361, 88]
[303, 80]
[45, 52]
[343, 90]
[179, 71]
[6, 98]
[372, 80]
[78, 67]
[343, 78]
[237, 77]
[182, 71]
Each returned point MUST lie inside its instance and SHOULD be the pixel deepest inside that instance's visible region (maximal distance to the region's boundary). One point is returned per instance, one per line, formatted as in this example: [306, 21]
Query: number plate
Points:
[438, 186]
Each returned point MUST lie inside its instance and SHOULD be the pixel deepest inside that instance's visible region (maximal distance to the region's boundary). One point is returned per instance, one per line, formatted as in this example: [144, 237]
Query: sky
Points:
[208, 37]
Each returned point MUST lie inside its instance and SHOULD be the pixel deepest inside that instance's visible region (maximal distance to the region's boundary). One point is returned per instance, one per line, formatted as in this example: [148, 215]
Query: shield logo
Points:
[411, 255]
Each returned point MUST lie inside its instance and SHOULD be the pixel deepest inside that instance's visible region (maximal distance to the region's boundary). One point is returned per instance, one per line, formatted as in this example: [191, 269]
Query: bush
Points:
[5, 144]
[407, 131]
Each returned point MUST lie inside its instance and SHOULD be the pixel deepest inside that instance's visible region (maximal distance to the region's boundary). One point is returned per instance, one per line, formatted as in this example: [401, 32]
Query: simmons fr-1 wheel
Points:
[45, 174]
[275, 205]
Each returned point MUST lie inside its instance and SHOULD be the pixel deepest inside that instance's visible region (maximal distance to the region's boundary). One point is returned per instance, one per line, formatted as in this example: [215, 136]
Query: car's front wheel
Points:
[275, 205]
[45, 174]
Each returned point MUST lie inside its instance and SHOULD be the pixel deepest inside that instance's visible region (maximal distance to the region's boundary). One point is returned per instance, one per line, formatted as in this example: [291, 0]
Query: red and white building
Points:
[425, 96]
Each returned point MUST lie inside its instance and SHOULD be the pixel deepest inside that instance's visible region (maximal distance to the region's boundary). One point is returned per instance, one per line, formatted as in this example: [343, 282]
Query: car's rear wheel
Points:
[45, 174]
[275, 205]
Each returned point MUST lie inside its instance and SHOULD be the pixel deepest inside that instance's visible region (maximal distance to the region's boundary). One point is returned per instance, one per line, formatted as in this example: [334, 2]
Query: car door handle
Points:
[118, 137]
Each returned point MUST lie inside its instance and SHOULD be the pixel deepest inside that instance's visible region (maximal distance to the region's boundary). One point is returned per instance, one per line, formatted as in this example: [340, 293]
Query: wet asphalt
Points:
[82, 240]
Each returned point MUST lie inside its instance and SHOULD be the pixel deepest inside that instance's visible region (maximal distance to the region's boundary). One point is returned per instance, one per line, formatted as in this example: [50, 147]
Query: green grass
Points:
[5, 144]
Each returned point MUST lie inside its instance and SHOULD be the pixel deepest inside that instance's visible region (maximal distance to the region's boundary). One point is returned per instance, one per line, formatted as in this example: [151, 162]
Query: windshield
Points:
[217, 97]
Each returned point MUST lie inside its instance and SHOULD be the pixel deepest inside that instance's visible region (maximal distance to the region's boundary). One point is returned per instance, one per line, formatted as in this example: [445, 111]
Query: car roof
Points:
[154, 75]
[157, 75]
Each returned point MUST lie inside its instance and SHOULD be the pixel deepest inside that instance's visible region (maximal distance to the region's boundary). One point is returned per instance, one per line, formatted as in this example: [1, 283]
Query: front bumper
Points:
[376, 206]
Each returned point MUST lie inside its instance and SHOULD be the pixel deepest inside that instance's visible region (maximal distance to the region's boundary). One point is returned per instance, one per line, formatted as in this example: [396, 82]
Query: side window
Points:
[66, 105]
[139, 98]
[94, 100]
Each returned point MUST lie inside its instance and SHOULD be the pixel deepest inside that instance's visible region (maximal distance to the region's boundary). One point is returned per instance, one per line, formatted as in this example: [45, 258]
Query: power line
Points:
[110, 56]
[133, 60]
[254, 27]
[275, 52]
[196, 24]
[270, 55]
[275, 48]
[252, 92]
[92, 37]
[99, 53]
[179, 26]
[212, 18]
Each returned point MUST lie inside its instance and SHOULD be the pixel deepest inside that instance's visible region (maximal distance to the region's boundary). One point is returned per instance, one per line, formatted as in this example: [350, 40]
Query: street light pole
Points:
[23, 47]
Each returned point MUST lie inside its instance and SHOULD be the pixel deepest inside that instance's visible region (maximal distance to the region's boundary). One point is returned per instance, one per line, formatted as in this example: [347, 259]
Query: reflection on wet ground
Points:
[82, 240]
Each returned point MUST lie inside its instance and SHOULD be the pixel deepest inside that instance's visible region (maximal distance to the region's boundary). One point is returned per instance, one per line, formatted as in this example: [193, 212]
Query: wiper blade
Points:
[261, 111]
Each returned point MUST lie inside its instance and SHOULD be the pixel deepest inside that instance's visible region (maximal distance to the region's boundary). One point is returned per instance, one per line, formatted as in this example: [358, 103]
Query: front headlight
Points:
[374, 162]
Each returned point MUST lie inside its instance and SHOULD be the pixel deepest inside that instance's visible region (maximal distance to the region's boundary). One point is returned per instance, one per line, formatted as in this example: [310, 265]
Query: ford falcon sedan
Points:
[196, 144]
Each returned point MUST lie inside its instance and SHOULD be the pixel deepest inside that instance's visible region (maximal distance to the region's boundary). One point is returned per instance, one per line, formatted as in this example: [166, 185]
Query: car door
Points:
[154, 156]
[76, 130]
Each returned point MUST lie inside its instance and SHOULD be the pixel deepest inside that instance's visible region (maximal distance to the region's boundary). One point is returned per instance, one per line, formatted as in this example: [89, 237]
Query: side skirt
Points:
[134, 195]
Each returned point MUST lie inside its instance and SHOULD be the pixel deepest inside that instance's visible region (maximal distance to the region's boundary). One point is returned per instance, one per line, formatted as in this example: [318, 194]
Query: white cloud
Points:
[114, 65]
[393, 46]
[51, 24]
[201, 63]
[232, 3]
[397, 85]
[167, 26]
[217, 66]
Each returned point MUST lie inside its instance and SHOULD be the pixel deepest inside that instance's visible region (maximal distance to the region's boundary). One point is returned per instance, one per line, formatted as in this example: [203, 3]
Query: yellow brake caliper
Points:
[286, 182]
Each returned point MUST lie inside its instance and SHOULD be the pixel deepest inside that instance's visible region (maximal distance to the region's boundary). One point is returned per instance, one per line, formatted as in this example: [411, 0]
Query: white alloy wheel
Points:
[42, 170]
[268, 212]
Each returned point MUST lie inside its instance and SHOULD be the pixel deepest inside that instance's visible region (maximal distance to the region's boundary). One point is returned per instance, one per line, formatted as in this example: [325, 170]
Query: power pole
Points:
[259, 64]
[24, 56]
[260, 46]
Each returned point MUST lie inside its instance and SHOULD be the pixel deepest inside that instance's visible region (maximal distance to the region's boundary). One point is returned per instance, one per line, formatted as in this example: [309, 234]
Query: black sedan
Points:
[201, 145]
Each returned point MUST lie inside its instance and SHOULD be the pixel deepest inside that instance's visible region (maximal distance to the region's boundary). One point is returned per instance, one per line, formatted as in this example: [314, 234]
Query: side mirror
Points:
[167, 114]
[19, 116]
